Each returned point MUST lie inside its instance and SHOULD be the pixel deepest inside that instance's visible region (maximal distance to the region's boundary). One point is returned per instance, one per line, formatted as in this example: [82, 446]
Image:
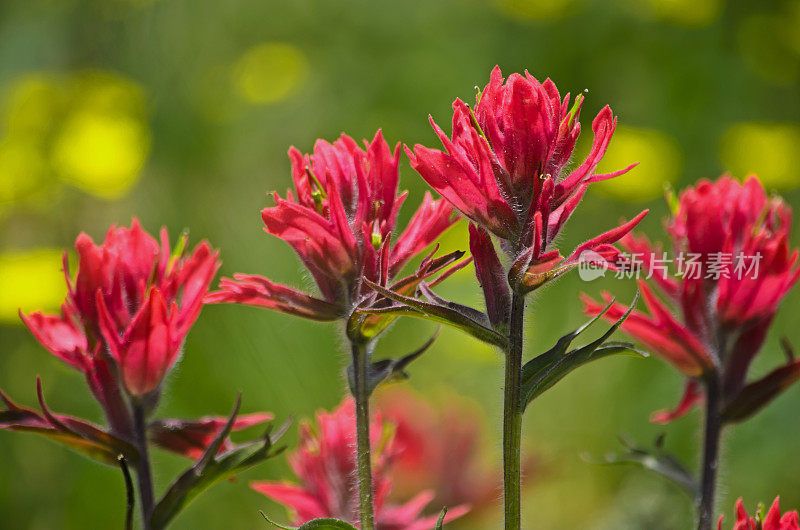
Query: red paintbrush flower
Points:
[339, 220]
[732, 245]
[131, 299]
[123, 324]
[326, 466]
[504, 168]
[772, 521]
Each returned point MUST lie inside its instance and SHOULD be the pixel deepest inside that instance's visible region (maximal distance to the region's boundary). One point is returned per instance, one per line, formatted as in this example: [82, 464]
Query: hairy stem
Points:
[712, 431]
[143, 472]
[512, 416]
[361, 396]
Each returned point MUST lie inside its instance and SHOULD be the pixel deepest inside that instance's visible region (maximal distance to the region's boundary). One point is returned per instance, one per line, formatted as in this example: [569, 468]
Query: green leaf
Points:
[440, 521]
[314, 524]
[542, 372]
[98, 452]
[655, 460]
[467, 319]
[212, 468]
[74, 433]
[388, 369]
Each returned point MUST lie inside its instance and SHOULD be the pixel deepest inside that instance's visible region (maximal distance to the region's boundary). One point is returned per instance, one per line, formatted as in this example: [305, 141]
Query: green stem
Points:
[712, 431]
[143, 472]
[512, 416]
[364, 461]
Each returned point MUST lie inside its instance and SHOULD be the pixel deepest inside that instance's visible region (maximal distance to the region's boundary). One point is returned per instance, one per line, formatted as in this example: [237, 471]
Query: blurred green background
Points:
[180, 112]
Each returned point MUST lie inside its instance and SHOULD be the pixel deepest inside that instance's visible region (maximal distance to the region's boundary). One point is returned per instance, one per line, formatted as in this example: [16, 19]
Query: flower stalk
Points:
[144, 474]
[363, 454]
[504, 168]
[710, 464]
[512, 416]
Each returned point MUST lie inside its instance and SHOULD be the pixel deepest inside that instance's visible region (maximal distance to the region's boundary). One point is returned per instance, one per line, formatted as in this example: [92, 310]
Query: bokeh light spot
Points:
[536, 9]
[767, 43]
[792, 23]
[30, 280]
[101, 154]
[269, 72]
[86, 128]
[660, 163]
[22, 167]
[30, 105]
[686, 12]
[771, 150]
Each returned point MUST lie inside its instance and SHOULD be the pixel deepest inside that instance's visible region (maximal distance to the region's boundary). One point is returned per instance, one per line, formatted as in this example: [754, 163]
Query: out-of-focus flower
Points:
[190, 438]
[127, 311]
[732, 243]
[773, 520]
[87, 128]
[660, 164]
[29, 280]
[101, 153]
[268, 72]
[684, 12]
[440, 448]
[340, 221]
[768, 43]
[537, 9]
[504, 168]
[772, 150]
[326, 466]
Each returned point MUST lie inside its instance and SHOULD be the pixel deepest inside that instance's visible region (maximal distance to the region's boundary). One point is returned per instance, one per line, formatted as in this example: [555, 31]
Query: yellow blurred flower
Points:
[32, 104]
[770, 46]
[22, 167]
[268, 72]
[771, 150]
[31, 281]
[660, 163]
[536, 9]
[685, 12]
[793, 21]
[86, 128]
[101, 153]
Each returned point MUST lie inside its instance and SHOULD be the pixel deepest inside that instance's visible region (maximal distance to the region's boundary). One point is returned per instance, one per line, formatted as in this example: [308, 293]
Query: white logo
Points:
[591, 265]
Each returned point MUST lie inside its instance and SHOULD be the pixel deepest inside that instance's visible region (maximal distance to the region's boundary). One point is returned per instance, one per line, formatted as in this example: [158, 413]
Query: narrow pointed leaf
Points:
[758, 394]
[655, 460]
[74, 433]
[95, 451]
[440, 521]
[542, 372]
[461, 317]
[315, 524]
[388, 369]
[212, 468]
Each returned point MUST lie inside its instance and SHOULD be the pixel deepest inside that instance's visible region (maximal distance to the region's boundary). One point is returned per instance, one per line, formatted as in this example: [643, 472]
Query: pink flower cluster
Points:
[723, 320]
[326, 466]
